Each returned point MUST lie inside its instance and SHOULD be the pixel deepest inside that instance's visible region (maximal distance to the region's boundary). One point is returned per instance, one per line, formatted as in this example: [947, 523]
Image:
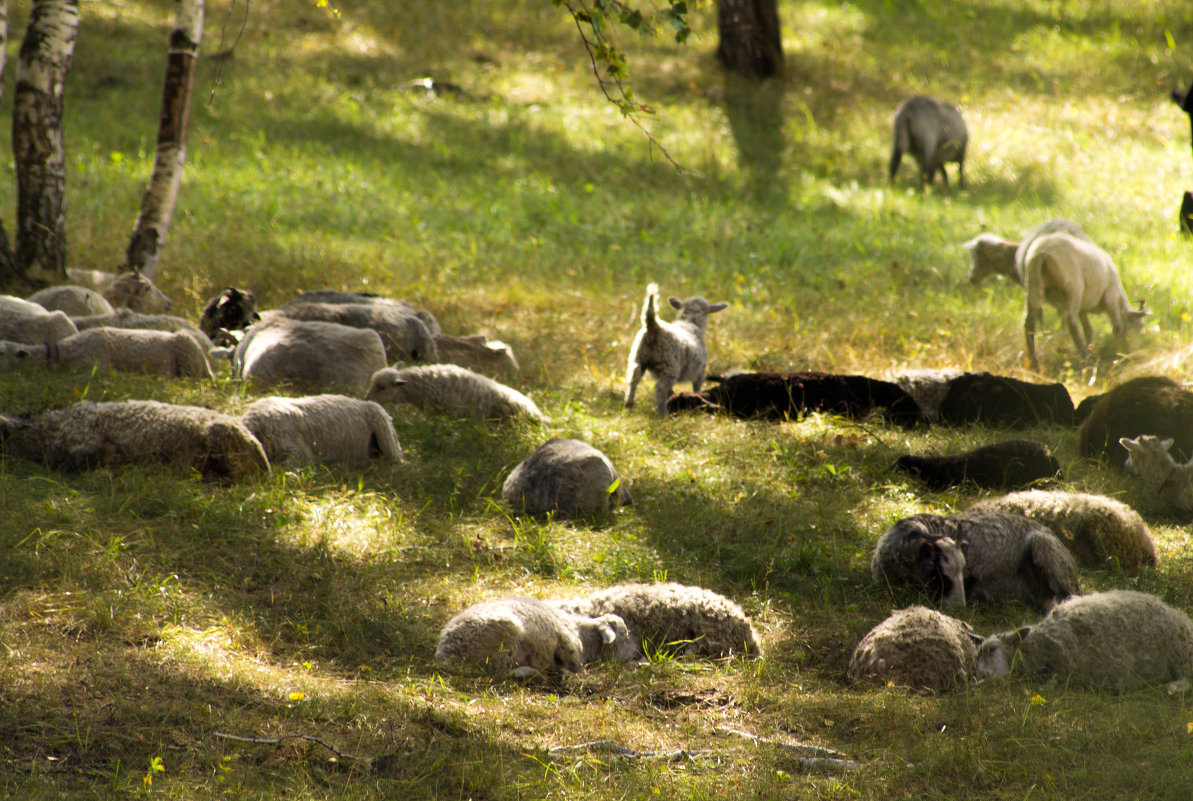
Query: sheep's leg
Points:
[944, 176]
[662, 391]
[1078, 335]
[1087, 329]
[632, 379]
[1030, 320]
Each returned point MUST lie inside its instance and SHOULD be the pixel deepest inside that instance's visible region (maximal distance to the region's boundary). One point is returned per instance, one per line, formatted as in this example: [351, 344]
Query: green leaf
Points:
[613, 487]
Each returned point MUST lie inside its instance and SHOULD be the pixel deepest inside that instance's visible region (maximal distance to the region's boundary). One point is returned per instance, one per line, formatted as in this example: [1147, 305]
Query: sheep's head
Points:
[990, 255]
[695, 309]
[942, 563]
[997, 653]
[608, 636]
[232, 310]
[386, 386]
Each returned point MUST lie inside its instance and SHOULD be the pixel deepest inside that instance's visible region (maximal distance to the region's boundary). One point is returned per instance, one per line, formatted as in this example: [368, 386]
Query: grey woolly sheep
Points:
[918, 648]
[452, 389]
[370, 298]
[135, 432]
[1099, 531]
[672, 352]
[934, 133]
[76, 301]
[992, 255]
[28, 322]
[1145, 405]
[127, 289]
[567, 477]
[403, 333]
[1148, 457]
[231, 310]
[927, 387]
[311, 355]
[1004, 465]
[516, 634]
[478, 353]
[127, 350]
[127, 318]
[1006, 557]
[322, 428]
[1116, 640]
[670, 616]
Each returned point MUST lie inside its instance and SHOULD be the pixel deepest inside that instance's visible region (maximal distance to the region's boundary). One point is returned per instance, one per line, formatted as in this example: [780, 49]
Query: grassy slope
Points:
[141, 614]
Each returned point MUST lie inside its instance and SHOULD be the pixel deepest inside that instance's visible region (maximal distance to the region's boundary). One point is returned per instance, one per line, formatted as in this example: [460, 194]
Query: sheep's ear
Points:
[716, 307]
[1022, 632]
[970, 245]
[1129, 444]
[675, 302]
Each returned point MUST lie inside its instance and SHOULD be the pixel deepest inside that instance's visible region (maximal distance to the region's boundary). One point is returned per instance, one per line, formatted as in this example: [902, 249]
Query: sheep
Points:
[452, 389]
[1000, 401]
[404, 334]
[1145, 405]
[368, 298]
[565, 477]
[1002, 465]
[1115, 640]
[127, 318]
[76, 301]
[322, 428]
[934, 133]
[992, 255]
[927, 387]
[667, 616]
[670, 351]
[128, 289]
[1148, 458]
[1077, 277]
[231, 310]
[29, 323]
[525, 636]
[976, 556]
[787, 395]
[313, 355]
[1099, 531]
[478, 353]
[128, 350]
[87, 434]
[918, 648]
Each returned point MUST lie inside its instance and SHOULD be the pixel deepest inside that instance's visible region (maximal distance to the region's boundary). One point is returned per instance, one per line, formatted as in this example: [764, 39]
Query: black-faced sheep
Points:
[1002, 465]
[1000, 401]
[133, 351]
[403, 333]
[1147, 405]
[1004, 557]
[918, 648]
[311, 355]
[478, 353]
[322, 428]
[231, 310]
[565, 477]
[671, 352]
[88, 434]
[788, 395]
[1148, 457]
[75, 301]
[992, 255]
[934, 133]
[128, 289]
[452, 389]
[29, 323]
[1116, 640]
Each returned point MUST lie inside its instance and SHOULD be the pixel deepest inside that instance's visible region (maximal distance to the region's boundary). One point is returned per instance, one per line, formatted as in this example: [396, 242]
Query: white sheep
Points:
[919, 648]
[127, 289]
[671, 352]
[28, 322]
[127, 350]
[674, 617]
[452, 389]
[1149, 458]
[526, 635]
[76, 301]
[993, 255]
[1099, 531]
[127, 318]
[565, 477]
[478, 353]
[403, 332]
[338, 296]
[134, 432]
[322, 428]
[1077, 277]
[1119, 639]
[311, 355]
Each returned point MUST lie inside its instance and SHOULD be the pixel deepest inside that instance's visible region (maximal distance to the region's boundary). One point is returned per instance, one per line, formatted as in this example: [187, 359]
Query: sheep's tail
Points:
[650, 320]
[902, 142]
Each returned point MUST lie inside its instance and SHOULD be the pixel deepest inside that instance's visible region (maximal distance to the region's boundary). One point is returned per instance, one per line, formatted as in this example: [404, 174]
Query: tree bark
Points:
[8, 262]
[157, 203]
[750, 41]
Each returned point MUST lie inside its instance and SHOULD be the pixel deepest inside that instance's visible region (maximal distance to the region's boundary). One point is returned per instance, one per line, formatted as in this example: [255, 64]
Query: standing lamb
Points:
[918, 648]
[1002, 465]
[672, 352]
[566, 477]
[1077, 277]
[452, 389]
[934, 133]
[1147, 405]
[127, 350]
[322, 428]
[1116, 640]
[1148, 458]
[992, 255]
[312, 355]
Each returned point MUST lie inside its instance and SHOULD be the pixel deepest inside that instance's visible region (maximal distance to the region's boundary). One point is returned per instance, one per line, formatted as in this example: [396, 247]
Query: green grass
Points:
[142, 614]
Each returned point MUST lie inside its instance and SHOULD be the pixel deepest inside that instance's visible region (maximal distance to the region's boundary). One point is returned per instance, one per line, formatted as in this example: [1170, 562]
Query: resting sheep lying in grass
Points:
[1001, 465]
[927, 387]
[368, 298]
[403, 333]
[479, 354]
[565, 477]
[319, 428]
[128, 289]
[1148, 457]
[29, 323]
[127, 318]
[1000, 401]
[311, 355]
[1116, 640]
[88, 434]
[75, 301]
[132, 351]
[992, 255]
[452, 389]
[918, 648]
[1147, 405]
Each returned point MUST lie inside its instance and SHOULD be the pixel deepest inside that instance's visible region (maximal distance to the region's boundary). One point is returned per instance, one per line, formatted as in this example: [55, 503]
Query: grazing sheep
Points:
[1099, 531]
[322, 428]
[370, 298]
[128, 289]
[934, 133]
[927, 387]
[1001, 465]
[1000, 401]
[1148, 458]
[918, 648]
[1077, 277]
[1116, 640]
[29, 323]
[134, 432]
[663, 616]
[133, 351]
[526, 635]
[76, 301]
[788, 395]
[566, 477]
[478, 353]
[312, 355]
[671, 352]
[992, 255]
[231, 310]
[403, 333]
[127, 318]
[1004, 557]
[452, 389]
[1146, 405]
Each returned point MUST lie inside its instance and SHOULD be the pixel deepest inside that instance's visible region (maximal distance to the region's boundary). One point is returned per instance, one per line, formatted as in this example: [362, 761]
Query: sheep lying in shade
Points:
[788, 395]
[918, 648]
[403, 333]
[75, 301]
[311, 355]
[478, 353]
[1116, 640]
[993, 255]
[526, 636]
[369, 298]
[322, 428]
[127, 318]
[452, 389]
[1147, 405]
[128, 289]
[976, 556]
[1148, 457]
[231, 310]
[566, 477]
[1099, 531]
[927, 387]
[1001, 401]
[1002, 465]
[132, 351]
[28, 322]
[670, 616]
[88, 434]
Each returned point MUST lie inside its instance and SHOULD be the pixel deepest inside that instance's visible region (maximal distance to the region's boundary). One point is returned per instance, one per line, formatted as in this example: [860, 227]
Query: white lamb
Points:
[565, 477]
[28, 322]
[127, 350]
[452, 389]
[311, 355]
[403, 332]
[76, 301]
[1077, 277]
[1149, 458]
[919, 648]
[322, 428]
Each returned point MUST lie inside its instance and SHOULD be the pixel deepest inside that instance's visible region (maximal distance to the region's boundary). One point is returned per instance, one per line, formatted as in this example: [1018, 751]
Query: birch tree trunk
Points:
[157, 203]
[37, 140]
[8, 263]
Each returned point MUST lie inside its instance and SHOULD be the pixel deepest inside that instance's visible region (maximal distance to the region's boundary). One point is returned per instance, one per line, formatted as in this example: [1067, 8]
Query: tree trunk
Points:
[750, 44]
[37, 141]
[157, 203]
[8, 262]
